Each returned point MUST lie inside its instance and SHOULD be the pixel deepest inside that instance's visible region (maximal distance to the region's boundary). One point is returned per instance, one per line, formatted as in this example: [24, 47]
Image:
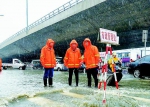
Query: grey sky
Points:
[14, 12]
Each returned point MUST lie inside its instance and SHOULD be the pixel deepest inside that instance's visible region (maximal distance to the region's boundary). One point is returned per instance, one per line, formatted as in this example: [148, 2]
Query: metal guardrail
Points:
[48, 16]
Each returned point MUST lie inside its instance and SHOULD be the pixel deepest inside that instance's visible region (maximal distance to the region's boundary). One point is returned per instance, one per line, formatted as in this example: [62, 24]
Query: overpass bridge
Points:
[79, 19]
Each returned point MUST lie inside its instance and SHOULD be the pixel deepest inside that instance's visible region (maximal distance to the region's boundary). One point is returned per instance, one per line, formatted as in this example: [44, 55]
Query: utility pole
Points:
[27, 16]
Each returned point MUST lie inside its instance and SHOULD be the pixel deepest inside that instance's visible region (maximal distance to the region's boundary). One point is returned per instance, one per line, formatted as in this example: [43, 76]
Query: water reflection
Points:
[18, 81]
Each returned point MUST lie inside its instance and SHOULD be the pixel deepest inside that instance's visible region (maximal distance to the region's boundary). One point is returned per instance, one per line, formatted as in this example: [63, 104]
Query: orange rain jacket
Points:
[91, 55]
[47, 58]
[72, 58]
[0, 64]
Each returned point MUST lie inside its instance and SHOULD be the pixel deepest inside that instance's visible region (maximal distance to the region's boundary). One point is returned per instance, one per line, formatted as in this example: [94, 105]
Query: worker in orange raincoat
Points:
[91, 60]
[73, 61]
[0, 64]
[48, 61]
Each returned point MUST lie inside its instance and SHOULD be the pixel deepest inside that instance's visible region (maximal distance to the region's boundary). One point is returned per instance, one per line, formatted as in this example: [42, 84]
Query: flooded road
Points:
[24, 88]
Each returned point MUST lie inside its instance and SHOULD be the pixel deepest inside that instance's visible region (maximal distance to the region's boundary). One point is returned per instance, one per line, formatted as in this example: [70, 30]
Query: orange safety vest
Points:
[72, 58]
[47, 58]
[91, 55]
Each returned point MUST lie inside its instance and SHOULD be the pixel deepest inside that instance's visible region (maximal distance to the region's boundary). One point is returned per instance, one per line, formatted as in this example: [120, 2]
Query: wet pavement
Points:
[24, 88]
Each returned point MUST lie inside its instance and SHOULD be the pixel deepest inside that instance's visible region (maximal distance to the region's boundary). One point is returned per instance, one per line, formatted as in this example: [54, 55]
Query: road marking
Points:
[43, 102]
[72, 94]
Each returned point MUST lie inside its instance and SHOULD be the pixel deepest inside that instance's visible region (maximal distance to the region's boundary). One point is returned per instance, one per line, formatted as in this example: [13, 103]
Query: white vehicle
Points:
[60, 59]
[15, 63]
[59, 66]
[36, 64]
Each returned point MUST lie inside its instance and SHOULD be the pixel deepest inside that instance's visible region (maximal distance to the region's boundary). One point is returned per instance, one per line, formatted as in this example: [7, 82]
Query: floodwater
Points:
[24, 88]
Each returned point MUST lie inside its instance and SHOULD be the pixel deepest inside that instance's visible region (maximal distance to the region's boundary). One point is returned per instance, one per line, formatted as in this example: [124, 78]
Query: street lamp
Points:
[27, 16]
[27, 12]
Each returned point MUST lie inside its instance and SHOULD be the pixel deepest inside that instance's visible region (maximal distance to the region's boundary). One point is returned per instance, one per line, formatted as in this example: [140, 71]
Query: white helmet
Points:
[114, 53]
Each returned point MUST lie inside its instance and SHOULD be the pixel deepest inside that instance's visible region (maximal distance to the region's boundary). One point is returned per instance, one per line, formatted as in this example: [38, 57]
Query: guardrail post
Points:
[58, 10]
[69, 4]
[64, 8]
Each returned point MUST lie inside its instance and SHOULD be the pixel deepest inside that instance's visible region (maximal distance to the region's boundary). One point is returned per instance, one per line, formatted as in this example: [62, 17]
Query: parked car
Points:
[65, 68]
[28, 64]
[60, 59]
[59, 66]
[36, 64]
[140, 67]
[82, 68]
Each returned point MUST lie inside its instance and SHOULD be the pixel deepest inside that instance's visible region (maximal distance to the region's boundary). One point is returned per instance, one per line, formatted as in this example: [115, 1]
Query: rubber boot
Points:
[96, 83]
[69, 81]
[50, 81]
[89, 83]
[77, 82]
[45, 82]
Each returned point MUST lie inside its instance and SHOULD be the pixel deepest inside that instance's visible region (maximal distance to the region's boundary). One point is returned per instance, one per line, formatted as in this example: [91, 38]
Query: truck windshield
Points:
[18, 61]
